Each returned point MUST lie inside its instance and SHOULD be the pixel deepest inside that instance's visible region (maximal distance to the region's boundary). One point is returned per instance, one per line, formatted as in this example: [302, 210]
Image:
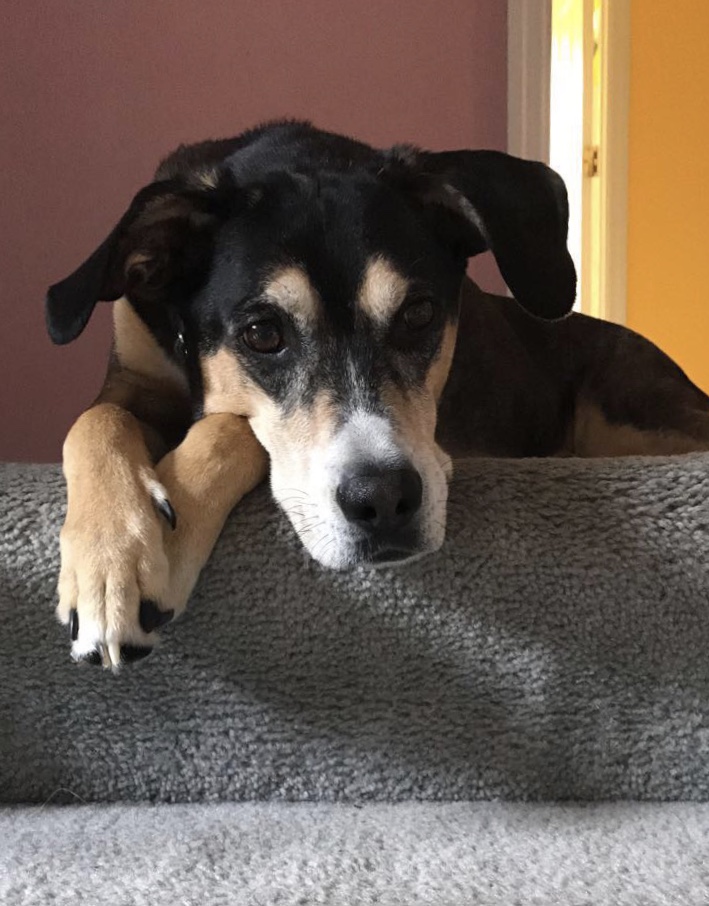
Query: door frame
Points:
[528, 119]
[528, 78]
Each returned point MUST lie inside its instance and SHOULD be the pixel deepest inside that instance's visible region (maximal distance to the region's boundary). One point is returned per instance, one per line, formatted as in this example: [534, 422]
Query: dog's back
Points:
[522, 386]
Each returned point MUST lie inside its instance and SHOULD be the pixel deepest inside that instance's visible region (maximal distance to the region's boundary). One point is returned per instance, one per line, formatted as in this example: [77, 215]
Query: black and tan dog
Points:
[292, 298]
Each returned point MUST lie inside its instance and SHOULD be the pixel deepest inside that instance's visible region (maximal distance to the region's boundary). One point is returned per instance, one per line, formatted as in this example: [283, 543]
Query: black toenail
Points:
[151, 617]
[93, 658]
[73, 625]
[165, 507]
[131, 653]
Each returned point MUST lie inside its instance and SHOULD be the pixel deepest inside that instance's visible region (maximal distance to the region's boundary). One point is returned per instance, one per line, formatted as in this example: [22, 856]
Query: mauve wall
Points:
[93, 93]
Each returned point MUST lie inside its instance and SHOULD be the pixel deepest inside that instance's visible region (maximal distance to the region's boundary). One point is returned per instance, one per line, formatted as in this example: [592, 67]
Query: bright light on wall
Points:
[566, 133]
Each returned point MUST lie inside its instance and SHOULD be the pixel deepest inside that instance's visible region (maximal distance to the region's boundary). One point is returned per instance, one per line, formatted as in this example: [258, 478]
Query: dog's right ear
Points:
[159, 250]
[518, 209]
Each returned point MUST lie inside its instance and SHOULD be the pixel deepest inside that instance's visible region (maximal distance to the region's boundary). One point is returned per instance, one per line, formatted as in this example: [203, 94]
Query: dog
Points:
[296, 302]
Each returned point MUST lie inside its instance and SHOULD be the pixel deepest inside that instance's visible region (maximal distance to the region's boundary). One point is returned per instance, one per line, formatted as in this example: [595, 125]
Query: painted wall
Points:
[668, 240]
[92, 94]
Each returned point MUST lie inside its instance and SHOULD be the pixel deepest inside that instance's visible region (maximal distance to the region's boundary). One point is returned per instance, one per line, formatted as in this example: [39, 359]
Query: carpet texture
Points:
[557, 648]
[272, 854]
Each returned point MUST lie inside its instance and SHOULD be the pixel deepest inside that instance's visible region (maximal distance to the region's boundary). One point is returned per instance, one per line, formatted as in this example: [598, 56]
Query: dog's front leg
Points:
[114, 569]
[217, 463]
[124, 571]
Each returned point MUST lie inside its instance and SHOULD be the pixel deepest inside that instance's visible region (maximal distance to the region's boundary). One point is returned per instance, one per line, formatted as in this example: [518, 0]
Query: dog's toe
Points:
[130, 653]
[151, 617]
[91, 657]
[166, 510]
[73, 625]
[161, 502]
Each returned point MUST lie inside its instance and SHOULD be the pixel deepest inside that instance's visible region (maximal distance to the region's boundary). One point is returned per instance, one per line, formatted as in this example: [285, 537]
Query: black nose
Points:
[381, 499]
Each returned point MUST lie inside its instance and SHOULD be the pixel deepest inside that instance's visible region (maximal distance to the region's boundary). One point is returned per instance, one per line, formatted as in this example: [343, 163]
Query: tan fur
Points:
[414, 414]
[228, 387]
[290, 288]
[138, 351]
[441, 365]
[295, 435]
[218, 462]
[208, 178]
[111, 542]
[116, 549]
[594, 436]
[322, 417]
[414, 411]
[382, 291]
[142, 380]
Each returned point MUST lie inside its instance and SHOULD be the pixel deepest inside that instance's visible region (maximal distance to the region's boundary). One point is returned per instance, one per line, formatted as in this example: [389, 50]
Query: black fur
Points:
[194, 247]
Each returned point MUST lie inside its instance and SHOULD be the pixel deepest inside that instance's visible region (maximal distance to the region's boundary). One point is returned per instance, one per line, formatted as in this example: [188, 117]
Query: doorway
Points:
[568, 86]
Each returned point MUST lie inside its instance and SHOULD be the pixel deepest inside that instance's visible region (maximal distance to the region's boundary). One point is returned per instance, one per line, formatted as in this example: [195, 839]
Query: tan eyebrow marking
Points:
[382, 290]
[290, 288]
[209, 177]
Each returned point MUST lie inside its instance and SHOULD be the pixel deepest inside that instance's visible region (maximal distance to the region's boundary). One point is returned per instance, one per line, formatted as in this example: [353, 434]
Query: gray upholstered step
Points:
[479, 854]
[556, 648]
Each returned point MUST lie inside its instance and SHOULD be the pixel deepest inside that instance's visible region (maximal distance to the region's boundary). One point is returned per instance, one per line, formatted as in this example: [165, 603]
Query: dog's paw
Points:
[114, 579]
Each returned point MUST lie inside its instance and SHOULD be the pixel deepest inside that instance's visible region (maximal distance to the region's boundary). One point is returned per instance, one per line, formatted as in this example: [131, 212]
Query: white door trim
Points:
[528, 72]
[613, 160]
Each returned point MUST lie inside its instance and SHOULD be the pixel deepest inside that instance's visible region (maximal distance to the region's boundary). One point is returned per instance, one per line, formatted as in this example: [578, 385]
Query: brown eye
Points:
[418, 315]
[263, 336]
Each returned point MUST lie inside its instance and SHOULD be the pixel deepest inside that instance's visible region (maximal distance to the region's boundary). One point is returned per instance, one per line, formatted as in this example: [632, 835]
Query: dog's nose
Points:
[381, 499]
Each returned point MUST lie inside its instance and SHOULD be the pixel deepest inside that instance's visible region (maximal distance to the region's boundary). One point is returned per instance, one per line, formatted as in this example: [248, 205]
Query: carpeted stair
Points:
[305, 736]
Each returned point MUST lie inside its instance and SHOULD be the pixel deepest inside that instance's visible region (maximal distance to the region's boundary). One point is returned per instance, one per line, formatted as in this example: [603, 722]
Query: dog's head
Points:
[315, 282]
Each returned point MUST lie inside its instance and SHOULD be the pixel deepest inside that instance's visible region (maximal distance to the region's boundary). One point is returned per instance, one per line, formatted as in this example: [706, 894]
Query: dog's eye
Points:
[418, 315]
[263, 336]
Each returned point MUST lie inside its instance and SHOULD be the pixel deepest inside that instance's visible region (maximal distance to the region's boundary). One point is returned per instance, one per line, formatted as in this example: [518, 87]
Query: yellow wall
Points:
[668, 190]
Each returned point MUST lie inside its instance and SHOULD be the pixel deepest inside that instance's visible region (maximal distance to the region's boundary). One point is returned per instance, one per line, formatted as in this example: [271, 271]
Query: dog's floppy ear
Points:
[516, 208]
[158, 250]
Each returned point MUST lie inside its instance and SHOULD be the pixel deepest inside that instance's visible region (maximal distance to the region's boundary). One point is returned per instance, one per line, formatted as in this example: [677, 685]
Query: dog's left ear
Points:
[516, 208]
[156, 254]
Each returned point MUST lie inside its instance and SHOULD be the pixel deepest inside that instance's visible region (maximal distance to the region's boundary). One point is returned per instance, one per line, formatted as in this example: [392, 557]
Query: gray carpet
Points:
[556, 649]
[403, 855]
